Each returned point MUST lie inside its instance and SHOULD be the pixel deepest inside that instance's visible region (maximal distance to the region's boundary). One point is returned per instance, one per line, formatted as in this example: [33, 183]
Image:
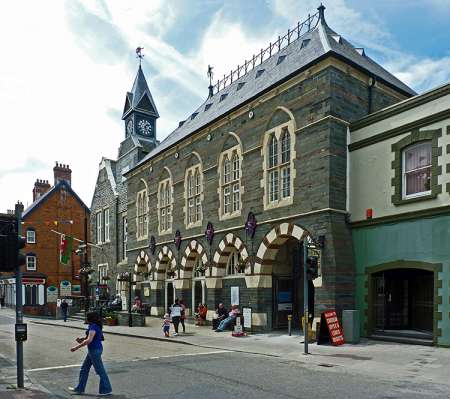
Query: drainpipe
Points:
[372, 82]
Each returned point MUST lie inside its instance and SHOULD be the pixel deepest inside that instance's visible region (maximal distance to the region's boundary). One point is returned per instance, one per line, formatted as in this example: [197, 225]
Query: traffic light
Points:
[312, 267]
[10, 244]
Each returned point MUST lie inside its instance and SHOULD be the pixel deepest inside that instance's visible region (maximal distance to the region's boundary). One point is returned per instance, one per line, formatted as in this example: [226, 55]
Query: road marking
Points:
[54, 367]
[182, 355]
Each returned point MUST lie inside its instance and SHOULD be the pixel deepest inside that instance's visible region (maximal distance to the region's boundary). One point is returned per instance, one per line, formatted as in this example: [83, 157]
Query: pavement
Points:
[396, 364]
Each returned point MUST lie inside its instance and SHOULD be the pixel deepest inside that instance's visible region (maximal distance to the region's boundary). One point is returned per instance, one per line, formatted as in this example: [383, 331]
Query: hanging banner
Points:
[52, 294]
[65, 249]
[65, 288]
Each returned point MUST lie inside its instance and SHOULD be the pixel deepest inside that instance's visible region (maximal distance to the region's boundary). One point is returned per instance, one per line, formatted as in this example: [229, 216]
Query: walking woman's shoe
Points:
[73, 391]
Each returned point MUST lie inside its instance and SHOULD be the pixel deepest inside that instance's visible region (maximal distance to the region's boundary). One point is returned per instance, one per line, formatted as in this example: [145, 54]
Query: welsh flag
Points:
[65, 249]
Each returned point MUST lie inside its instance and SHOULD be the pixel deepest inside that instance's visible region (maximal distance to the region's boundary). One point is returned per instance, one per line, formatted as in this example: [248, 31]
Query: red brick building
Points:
[54, 209]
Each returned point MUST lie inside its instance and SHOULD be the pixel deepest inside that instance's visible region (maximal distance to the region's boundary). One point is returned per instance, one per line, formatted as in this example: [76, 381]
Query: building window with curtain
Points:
[230, 183]
[417, 170]
[165, 206]
[142, 209]
[194, 191]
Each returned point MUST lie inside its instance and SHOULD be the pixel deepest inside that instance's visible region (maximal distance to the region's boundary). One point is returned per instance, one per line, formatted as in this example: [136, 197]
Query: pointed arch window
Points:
[194, 192]
[233, 263]
[279, 155]
[230, 188]
[142, 210]
[165, 204]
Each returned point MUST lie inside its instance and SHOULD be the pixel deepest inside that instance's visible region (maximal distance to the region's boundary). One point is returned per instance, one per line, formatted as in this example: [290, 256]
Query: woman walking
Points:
[175, 313]
[93, 340]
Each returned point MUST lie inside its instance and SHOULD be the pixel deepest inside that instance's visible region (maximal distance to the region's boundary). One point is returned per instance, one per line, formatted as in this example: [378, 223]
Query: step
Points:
[402, 339]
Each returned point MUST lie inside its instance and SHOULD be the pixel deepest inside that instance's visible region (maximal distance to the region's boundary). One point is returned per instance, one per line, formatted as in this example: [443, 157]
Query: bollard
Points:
[289, 324]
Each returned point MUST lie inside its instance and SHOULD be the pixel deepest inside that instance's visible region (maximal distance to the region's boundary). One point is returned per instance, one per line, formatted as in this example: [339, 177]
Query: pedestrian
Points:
[166, 325]
[93, 340]
[64, 309]
[183, 315]
[2, 300]
[175, 313]
[225, 323]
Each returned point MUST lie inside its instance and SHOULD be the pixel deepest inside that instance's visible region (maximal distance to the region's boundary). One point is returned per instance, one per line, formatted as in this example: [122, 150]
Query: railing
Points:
[283, 41]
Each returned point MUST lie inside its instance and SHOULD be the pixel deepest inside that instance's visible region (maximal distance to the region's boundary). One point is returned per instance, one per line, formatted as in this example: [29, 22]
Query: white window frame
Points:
[404, 173]
[165, 206]
[99, 227]
[31, 259]
[102, 270]
[230, 183]
[125, 237]
[278, 166]
[142, 215]
[29, 235]
[106, 224]
[232, 262]
[193, 183]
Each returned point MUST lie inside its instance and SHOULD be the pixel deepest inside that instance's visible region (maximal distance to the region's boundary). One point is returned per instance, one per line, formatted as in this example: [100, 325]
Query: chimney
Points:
[40, 188]
[18, 209]
[62, 172]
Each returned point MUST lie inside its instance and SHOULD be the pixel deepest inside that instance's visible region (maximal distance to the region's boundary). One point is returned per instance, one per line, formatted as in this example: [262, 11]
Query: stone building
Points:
[268, 144]
[45, 279]
[109, 203]
[400, 217]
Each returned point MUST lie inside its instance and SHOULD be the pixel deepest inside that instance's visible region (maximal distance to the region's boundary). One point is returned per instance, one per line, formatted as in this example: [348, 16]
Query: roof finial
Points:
[139, 54]
[210, 76]
[321, 9]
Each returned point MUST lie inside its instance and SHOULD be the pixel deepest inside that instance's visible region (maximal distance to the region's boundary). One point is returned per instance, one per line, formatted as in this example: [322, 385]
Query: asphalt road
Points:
[140, 368]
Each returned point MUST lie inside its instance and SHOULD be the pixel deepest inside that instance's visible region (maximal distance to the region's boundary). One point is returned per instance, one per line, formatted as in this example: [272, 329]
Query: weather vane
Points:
[139, 54]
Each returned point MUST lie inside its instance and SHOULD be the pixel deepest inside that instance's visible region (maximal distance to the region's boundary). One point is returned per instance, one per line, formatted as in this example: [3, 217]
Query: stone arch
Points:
[142, 260]
[165, 261]
[280, 116]
[221, 255]
[192, 251]
[272, 242]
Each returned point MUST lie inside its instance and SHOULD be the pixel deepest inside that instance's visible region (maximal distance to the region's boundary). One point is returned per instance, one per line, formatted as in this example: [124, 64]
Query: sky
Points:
[66, 66]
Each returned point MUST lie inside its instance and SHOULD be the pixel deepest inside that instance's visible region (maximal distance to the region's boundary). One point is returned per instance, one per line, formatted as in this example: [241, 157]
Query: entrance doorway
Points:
[287, 285]
[403, 301]
[170, 295]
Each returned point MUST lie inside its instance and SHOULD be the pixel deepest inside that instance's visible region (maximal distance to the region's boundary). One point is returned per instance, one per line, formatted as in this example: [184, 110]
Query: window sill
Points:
[279, 204]
[165, 232]
[229, 216]
[141, 238]
[414, 199]
[234, 276]
[193, 225]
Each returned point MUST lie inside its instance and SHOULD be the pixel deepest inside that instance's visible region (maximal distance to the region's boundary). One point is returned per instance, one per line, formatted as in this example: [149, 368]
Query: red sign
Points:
[336, 336]
[33, 280]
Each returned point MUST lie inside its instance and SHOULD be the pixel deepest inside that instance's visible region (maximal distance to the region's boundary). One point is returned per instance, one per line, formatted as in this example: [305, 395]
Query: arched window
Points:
[165, 206]
[233, 263]
[231, 183]
[142, 209]
[199, 267]
[279, 165]
[193, 196]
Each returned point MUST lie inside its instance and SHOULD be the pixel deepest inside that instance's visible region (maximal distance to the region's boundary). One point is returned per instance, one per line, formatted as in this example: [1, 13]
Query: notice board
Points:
[330, 329]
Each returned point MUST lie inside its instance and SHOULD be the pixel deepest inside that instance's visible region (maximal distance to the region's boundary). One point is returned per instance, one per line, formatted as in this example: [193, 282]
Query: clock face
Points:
[145, 127]
[130, 126]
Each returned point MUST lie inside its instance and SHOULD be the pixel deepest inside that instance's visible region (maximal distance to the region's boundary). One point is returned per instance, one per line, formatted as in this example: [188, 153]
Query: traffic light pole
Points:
[305, 296]
[19, 309]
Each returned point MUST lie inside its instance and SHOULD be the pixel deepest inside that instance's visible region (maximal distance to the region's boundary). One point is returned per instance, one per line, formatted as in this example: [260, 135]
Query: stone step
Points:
[402, 339]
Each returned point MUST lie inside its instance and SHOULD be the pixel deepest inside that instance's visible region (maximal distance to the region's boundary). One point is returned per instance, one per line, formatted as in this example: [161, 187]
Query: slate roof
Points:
[309, 48]
[138, 91]
[41, 200]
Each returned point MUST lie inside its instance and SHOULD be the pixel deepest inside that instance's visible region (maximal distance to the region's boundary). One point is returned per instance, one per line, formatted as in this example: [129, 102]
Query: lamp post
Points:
[128, 277]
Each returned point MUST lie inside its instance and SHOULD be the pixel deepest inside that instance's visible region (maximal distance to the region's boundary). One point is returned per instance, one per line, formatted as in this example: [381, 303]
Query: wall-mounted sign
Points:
[52, 294]
[146, 291]
[65, 288]
[76, 289]
[235, 295]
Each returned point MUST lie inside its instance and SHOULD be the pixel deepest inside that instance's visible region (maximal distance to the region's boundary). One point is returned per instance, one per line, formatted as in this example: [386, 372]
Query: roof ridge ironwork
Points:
[274, 48]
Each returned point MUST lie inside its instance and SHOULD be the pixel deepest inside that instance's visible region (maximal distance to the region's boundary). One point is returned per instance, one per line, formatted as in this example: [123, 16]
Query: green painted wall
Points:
[422, 240]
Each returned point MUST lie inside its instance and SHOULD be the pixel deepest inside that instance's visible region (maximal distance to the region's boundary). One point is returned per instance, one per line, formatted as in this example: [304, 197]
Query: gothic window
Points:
[199, 268]
[233, 266]
[417, 170]
[99, 227]
[165, 206]
[230, 182]
[194, 192]
[142, 211]
[278, 167]
[106, 222]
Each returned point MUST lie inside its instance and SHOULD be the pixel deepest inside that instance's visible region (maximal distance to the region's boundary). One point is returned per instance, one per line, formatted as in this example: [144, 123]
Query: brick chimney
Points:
[40, 188]
[62, 172]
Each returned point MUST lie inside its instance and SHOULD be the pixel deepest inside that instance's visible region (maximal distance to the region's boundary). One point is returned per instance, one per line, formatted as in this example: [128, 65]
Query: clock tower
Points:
[139, 112]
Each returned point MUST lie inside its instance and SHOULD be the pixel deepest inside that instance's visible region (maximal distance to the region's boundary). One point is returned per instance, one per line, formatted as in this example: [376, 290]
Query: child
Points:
[166, 325]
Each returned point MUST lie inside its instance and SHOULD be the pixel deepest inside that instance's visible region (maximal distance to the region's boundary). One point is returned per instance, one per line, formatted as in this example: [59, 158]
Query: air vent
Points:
[194, 115]
[240, 86]
[337, 38]
[305, 42]
[361, 51]
[280, 59]
[208, 106]
[259, 73]
[223, 96]
[181, 123]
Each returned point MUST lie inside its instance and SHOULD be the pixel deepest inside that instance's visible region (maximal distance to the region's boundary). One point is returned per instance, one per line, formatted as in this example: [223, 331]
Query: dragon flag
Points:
[65, 249]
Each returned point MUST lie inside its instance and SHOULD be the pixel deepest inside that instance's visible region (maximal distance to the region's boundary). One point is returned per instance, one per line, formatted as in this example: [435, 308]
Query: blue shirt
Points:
[97, 341]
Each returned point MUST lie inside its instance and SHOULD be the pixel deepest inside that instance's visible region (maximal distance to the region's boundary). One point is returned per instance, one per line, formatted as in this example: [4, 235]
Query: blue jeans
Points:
[225, 323]
[94, 358]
